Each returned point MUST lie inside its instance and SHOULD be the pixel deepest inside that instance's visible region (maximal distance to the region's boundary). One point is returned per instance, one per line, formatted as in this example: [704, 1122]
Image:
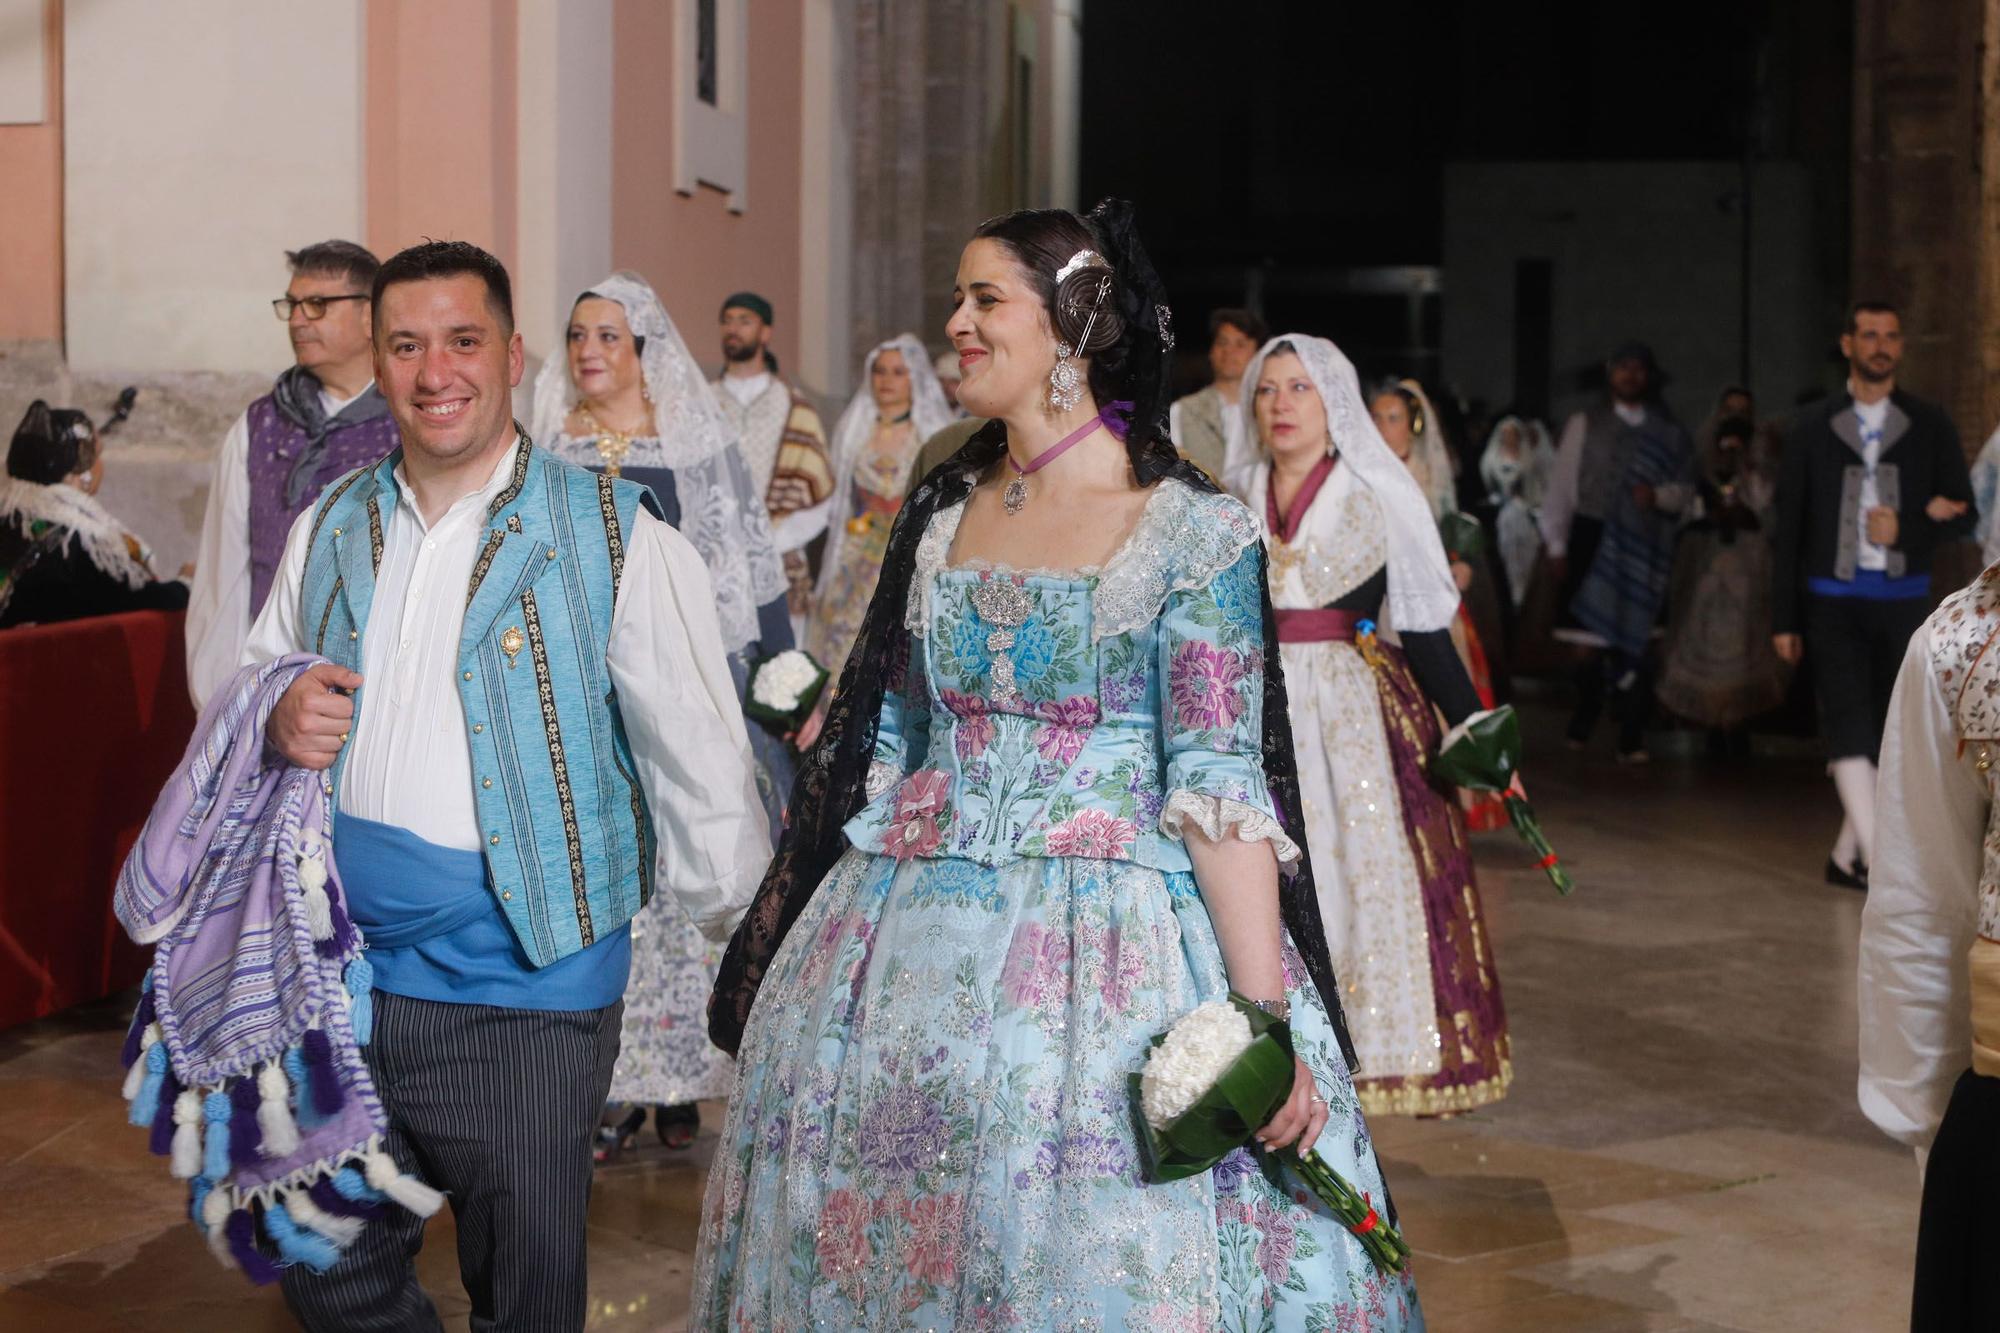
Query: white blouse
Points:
[1922, 913]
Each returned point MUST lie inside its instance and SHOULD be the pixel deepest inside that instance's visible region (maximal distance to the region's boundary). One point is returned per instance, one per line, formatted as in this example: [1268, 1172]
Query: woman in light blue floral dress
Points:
[1055, 788]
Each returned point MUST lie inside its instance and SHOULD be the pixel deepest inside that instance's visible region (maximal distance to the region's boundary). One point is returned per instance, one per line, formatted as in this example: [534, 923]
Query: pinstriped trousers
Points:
[497, 1108]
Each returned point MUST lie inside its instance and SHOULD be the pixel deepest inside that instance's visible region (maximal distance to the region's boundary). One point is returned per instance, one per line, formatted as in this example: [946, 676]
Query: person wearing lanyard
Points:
[1873, 481]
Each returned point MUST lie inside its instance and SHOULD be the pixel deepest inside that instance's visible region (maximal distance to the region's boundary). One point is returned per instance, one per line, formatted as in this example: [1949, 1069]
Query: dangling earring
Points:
[1065, 380]
[645, 394]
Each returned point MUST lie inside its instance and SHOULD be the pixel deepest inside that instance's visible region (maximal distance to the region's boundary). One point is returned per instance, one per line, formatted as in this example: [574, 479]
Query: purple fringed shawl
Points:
[213, 883]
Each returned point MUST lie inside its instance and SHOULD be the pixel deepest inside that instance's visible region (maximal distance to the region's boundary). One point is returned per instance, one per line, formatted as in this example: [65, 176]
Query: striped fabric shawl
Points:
[1621, 595]
[213, 883]
[244, 1057]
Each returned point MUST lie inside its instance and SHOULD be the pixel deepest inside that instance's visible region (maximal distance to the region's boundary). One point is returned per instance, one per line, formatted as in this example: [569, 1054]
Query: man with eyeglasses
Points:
[323, 418]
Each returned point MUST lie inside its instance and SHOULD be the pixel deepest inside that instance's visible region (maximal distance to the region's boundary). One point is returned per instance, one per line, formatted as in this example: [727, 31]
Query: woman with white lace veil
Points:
[1365, 600]
[1418, 439]
[1513, 473]
[898, 406]
[627, 398]
[1414, 433]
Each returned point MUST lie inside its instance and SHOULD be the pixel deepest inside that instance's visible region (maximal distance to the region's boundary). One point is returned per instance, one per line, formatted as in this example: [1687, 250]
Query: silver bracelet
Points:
[1280, 1008]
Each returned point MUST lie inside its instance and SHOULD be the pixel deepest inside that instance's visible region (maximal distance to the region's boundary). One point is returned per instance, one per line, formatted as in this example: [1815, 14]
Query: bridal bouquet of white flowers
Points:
[1211, 1082]
[784, 687]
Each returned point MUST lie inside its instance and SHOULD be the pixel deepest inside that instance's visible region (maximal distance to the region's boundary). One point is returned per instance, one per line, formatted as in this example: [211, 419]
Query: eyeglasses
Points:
[314, 306]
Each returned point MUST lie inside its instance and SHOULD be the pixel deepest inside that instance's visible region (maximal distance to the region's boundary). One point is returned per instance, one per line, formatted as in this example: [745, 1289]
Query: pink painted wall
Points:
[441, 118]
[691, 247]
[31, 218]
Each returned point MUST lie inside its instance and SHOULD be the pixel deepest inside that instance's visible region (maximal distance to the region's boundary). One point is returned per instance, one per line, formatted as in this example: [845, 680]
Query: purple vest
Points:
[274, 444]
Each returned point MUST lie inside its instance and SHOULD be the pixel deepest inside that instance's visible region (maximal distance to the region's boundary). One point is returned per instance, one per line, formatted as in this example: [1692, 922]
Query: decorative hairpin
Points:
[1081, 259]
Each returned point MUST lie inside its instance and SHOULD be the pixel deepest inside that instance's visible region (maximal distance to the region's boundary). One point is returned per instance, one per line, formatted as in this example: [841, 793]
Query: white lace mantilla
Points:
[1183, 539]
[83, 521]
[722, 517]
[1217, 816]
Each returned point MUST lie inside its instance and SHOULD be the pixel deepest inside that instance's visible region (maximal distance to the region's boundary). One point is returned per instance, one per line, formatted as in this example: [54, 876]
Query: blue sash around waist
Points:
[434, 931]
[1871, 585]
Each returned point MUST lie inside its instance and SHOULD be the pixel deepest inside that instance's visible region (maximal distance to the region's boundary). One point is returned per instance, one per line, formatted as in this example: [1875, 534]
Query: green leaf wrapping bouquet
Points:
[1484, 753]
[783, 689]
[1211, 1082]
[1462, 537]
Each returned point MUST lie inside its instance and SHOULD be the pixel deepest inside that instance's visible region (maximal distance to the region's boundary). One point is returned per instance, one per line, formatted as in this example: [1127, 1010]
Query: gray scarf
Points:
[296, 396]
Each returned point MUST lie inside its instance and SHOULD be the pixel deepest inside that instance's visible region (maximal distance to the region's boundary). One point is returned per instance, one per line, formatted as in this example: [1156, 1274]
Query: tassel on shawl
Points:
[360, 991]
[146, 1097]
[245, 1135]
[312, 884]
[187, 1135]
[342, 942]
[346, 1194]
[274, 1112]
[214, 1218]
[413, 1194]
[342, 1231]
[161, 1142]
[241, 1230]
[135, 1070]
[215, 1110]
[302, 1102]
[322, 1083]
[295, 1245]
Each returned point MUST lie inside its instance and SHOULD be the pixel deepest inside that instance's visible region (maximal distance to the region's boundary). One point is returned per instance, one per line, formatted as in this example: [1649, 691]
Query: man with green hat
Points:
[782, 438]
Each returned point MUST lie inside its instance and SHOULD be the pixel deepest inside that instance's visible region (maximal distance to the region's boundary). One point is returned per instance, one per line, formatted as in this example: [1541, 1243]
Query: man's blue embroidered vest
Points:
[568, 842]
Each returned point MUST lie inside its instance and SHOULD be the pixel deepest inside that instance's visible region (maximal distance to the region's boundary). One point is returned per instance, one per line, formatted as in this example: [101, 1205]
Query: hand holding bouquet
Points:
[1483, 753]
[783, 689]
[1212, 1081]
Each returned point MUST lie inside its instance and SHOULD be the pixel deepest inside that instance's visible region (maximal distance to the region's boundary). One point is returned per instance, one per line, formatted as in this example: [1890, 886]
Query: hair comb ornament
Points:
[1080, 260]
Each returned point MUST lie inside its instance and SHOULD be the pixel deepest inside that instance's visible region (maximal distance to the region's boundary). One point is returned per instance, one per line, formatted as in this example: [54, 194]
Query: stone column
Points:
[1926, 181]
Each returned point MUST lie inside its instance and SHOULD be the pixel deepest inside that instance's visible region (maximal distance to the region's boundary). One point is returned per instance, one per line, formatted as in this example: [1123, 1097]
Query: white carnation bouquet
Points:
[1211, 1082]
[783, 689]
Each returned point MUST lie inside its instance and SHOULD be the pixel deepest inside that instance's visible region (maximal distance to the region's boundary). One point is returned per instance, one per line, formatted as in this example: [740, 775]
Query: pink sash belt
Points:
[1317, 626]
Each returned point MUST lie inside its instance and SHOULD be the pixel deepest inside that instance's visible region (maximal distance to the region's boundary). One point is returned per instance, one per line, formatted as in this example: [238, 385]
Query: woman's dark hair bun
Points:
[1092, 289]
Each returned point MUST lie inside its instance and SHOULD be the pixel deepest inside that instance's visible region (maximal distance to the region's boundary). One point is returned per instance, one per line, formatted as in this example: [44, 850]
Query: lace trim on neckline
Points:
[1183, 539]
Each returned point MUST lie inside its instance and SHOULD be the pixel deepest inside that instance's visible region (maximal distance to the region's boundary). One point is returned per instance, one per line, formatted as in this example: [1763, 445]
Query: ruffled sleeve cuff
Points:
[1219, 816]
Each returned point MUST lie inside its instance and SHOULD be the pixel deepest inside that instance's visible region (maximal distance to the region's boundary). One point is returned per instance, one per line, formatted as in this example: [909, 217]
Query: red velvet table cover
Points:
[94, 715]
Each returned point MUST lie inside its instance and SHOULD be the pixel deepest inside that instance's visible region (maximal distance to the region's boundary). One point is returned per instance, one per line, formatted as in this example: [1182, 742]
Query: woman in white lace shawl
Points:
[627, 398]
[898, 406]
[1365, 602]
[1514, 470]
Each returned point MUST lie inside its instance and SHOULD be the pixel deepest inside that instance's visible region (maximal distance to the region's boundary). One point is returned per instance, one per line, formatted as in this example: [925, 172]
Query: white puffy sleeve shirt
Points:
[1922, 913]
[411, 765]
[218, 614]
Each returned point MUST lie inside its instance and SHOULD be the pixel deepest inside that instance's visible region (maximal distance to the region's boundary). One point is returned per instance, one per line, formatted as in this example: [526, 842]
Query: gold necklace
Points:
[612, 445]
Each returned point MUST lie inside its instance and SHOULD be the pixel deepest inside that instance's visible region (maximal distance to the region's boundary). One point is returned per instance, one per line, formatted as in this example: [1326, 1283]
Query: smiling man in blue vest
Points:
[529, 725]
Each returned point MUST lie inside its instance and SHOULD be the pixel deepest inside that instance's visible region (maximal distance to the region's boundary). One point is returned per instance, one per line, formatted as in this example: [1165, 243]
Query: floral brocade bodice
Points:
[1084, 713]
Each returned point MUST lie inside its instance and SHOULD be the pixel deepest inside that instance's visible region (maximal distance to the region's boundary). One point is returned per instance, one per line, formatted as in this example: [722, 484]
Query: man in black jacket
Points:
[1874, 479]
